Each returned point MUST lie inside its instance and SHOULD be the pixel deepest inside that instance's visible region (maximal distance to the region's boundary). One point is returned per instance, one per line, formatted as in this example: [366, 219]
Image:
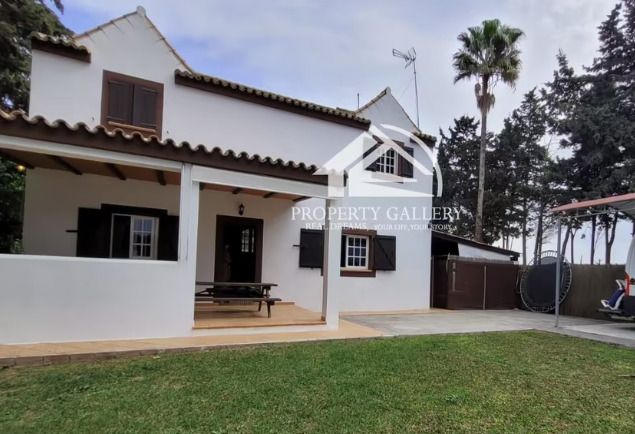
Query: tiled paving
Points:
[214, 316]
[48, 353]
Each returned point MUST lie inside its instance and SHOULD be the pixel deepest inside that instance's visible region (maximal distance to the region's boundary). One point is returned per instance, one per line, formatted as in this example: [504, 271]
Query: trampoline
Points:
[538, 283]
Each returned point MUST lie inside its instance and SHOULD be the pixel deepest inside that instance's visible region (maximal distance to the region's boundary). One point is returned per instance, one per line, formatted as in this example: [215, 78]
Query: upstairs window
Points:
[132, 104]
[392, 162]
[387, 162]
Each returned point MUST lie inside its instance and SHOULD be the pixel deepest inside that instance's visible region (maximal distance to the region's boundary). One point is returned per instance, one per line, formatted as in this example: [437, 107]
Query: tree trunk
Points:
[524, 232]
[567, 233]
[524, 241]
[572, 241]
[593, 224]
[478, 230]
[538, 245]
[609, 240]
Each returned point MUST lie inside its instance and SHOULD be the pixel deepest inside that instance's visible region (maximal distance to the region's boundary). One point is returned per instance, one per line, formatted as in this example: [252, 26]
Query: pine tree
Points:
[458, 158]
[525, 160]
[18, 19]
[594, 113]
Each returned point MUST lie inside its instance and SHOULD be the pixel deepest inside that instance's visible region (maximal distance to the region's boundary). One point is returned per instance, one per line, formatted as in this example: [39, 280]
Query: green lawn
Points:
[497, 382]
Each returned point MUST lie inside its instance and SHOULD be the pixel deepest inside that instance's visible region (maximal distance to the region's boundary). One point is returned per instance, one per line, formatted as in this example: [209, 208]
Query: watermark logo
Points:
[376, 165]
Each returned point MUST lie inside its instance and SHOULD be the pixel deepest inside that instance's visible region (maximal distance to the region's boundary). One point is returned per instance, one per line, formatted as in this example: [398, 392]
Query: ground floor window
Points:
[134, 236]
[356, 252]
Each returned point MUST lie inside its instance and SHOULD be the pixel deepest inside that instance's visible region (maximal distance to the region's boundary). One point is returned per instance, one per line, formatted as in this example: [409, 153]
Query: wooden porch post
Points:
[330, 271]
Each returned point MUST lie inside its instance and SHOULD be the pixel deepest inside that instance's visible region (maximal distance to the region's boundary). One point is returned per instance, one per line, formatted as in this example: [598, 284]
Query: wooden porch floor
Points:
[212, 316]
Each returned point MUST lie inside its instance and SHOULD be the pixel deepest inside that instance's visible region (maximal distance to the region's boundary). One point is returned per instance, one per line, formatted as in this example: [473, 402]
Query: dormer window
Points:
[131, 104]
[391, 162]
[387, 162]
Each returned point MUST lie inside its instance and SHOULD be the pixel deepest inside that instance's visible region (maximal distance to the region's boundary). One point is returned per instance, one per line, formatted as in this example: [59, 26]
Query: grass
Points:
[497, 382]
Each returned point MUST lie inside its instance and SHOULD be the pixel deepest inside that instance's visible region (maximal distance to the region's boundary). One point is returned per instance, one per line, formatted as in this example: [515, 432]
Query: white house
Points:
[145, 177]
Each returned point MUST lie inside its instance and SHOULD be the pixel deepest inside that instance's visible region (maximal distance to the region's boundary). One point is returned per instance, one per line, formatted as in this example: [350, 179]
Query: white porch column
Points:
[331, 268]
[188, 224]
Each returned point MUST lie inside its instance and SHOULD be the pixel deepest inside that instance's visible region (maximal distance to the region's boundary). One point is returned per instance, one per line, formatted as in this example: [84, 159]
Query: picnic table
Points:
[238, 292]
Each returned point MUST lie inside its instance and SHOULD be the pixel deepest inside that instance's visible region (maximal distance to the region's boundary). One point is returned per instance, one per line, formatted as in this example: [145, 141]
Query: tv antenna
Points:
[410, 57]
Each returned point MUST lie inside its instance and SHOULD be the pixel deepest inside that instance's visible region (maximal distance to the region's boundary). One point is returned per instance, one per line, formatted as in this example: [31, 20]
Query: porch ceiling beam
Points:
[161, 177]
[270, 194]
[73, 151]
[237, 190]
[301, 198]
[16, 160]
[249, 181]
[65, 164]
[116, 170]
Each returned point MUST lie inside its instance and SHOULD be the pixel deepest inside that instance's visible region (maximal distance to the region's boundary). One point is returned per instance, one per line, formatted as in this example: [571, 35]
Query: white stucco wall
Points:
[67, 89]
[56, 299]
[53, 198]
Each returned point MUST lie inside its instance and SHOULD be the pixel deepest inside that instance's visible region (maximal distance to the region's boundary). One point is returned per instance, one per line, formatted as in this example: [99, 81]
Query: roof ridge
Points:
[101, 26]
[374, 99]
[141, 12]
[417, 131]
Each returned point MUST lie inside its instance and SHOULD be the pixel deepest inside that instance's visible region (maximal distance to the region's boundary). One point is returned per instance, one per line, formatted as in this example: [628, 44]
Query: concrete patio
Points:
[439, 321]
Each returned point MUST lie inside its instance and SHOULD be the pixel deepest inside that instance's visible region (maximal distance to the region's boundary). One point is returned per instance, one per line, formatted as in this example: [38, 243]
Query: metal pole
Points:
[414, 66]
[558, 261]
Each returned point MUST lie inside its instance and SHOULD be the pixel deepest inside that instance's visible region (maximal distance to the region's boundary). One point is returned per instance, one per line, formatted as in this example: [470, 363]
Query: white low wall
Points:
[55, 299]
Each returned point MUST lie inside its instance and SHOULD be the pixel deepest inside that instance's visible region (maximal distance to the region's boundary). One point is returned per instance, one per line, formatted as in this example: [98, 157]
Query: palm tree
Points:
[489, 53]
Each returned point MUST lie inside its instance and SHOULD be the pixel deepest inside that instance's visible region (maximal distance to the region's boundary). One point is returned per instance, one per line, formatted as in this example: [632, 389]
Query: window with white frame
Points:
[134, 236]
[387, 162]
[356, 252]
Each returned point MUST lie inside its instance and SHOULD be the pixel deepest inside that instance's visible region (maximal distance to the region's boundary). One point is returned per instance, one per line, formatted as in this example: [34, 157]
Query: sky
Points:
[329, 51]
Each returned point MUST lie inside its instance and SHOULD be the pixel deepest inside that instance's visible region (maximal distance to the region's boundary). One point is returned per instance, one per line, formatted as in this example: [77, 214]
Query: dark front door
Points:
[238, 249]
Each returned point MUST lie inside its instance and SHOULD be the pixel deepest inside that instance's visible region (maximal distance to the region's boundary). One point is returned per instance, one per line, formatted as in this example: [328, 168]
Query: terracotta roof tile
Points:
[229, 88]
[37, 127]
[63, 45]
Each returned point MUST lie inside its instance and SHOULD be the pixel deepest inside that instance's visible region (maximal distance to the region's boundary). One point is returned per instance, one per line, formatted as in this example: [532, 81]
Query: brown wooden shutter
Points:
[93, 233]
[373, 165]
[405, 167]
[311, 248]
[120, 95]
[343, 252]
[121, 236]
[145, 107]
[168, 248]
[384, 252]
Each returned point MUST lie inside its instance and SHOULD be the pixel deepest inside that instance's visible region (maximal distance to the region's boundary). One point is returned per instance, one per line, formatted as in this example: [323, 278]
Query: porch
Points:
[80, 281]
[209, 315]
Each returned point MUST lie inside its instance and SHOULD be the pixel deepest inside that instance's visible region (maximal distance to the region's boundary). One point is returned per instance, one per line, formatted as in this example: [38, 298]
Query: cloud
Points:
[328, 51]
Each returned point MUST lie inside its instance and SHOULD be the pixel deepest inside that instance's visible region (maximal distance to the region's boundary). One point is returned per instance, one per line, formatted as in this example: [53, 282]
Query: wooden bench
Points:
[227, 292]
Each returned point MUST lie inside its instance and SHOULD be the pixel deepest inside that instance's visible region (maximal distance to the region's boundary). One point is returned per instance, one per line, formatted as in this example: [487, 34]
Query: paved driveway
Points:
[470, 321]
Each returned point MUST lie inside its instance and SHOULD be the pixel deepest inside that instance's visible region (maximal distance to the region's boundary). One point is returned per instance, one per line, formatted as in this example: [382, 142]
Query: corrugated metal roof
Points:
[624, 203]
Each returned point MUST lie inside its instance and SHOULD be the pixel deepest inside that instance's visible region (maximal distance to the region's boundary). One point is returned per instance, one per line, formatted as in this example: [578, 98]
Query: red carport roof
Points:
[624, 203]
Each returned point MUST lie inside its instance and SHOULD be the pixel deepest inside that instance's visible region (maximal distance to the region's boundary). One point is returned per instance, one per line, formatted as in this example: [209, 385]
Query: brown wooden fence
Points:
[589, 285]
[466, 283]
